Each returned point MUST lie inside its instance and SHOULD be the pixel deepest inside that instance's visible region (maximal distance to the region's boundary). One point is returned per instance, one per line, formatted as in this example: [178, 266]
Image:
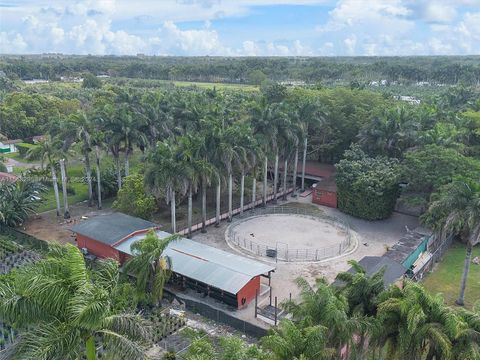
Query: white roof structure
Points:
[206, 264]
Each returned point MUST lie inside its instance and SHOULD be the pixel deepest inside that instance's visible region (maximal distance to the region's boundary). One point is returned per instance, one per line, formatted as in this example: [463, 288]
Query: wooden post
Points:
[304, 160]
[295, 165]
[275, 311]
[270, 296]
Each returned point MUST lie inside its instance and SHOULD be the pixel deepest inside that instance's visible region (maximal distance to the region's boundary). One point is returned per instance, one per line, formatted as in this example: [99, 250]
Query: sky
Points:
[241, 27]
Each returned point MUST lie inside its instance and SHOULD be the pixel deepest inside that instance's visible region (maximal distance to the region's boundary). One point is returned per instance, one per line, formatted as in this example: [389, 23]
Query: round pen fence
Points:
[283, 252]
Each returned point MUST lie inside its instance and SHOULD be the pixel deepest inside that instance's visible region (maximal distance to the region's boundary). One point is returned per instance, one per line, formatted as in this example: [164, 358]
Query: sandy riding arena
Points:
[290, 237]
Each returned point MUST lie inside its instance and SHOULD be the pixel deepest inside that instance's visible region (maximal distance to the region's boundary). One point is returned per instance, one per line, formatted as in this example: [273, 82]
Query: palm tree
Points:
[150, 267]
[307, 114]
[85, 130]
[130, 131]
[455, 211]
[111, 125]
[18, 200]
[416, 325]
[391, 133]
[293, 342]
[362, 292]
[361, 289]
[63, 173]
[323, 305]
[166, 174]
[49, 152]
[156, 120]
[263, 118]
[198, 170]
[467, 343]
[65, 311]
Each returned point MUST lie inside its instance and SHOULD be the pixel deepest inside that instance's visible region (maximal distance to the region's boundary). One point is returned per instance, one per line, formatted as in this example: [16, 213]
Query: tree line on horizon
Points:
[250, 70]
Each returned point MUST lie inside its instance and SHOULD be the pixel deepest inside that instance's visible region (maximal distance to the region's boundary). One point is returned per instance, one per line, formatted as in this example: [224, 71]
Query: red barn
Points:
[325, 192]
[228, 277]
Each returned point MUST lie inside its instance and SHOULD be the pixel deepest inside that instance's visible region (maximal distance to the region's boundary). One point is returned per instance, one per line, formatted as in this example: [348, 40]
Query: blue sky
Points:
[241, 27]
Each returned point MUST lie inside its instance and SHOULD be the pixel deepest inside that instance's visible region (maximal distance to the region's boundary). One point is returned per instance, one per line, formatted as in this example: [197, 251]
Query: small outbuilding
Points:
[101, 234]
[325, 192]
[8, 146]
[230, 278]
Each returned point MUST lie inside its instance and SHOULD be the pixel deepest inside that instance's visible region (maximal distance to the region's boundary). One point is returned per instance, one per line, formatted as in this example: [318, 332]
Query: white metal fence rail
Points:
[281, 251]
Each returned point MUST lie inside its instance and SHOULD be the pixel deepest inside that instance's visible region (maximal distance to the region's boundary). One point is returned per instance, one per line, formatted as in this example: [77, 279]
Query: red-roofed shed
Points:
[325, 192]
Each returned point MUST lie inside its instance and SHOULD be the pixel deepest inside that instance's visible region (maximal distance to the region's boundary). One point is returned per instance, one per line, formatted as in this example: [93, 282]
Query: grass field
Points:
[446, 276]
[219, 86]
[81, 194]
[18, 157]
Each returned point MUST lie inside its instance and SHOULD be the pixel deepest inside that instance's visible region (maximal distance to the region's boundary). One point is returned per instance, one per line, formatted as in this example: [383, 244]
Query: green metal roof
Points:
[109, 229]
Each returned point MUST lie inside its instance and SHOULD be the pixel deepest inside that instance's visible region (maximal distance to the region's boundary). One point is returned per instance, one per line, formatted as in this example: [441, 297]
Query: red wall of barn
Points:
[248, 292]
[324, 197]
[97, 248]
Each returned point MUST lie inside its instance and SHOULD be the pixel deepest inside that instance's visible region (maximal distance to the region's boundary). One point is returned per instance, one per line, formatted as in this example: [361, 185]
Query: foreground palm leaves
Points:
[65, 311]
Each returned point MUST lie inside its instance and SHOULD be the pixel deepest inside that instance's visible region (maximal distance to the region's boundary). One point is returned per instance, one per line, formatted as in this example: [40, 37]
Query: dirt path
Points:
[16, 163]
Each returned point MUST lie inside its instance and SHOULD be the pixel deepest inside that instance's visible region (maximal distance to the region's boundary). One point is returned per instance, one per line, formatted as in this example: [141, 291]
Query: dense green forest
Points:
[144, 142]
[311, 70]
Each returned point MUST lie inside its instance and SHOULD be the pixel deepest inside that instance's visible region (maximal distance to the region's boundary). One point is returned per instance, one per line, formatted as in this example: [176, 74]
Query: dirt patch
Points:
[50, 227]
[294, 231]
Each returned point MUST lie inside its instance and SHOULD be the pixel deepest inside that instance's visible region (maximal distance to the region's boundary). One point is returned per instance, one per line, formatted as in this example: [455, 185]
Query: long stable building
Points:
[230, 278]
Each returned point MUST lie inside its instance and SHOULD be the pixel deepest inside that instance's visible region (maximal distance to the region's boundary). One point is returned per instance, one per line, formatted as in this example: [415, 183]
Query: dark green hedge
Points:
[367, 188]
[23, 148]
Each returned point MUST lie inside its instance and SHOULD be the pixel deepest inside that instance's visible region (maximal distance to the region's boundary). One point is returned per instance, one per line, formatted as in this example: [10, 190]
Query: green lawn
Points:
[81, 194]
[219, 86]
[446, 276]
[18, 157]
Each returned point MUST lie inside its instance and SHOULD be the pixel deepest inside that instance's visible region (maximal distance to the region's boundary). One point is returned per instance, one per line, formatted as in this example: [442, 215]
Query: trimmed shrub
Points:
[23, 148]
[367, 187]
[133, 200]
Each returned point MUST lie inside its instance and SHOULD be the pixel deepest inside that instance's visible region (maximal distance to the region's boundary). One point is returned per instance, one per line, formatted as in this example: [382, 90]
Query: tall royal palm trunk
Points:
[304, 162]
[190, 209]
[172, 212]
[466, 269]
[99, 178]
[294, 177]
[127, 161]
[265, 178]
[285, 178]
[275, 179]
[118, 170]
[242, 190]
[204, 205]
[55, 187]
[230, 195]
[88, 171]
[217, 210]
[66, 212]
[254, 190]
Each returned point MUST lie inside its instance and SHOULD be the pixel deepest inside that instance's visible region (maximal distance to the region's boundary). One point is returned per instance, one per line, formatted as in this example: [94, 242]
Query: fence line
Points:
[236, 211]
[282, 252]
[438, 252]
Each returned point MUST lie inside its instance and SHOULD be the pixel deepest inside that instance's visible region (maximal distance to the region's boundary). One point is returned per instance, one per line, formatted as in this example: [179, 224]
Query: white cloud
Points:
[353, 27]
[262, 48]
[194, 42]
[350, 43]
[12, 43]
